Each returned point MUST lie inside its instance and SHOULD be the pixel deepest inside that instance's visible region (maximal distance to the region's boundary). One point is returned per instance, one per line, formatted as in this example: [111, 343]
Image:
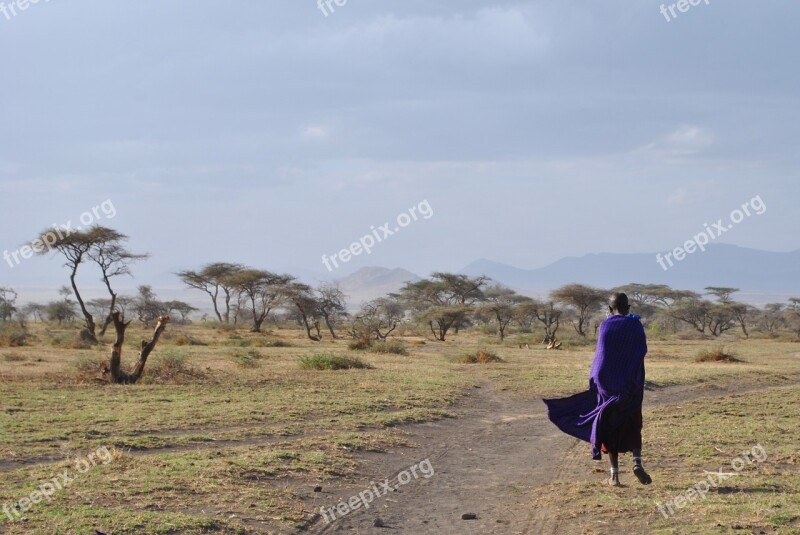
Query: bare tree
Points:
[115, 372]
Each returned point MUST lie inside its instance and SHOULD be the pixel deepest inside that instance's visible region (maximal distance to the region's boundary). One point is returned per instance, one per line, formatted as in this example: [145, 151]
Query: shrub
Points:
[394, 347]
[12, 335]
[269, 342]
[249, 359]
[715, 355]
[332, 362]
[482, 356]
[185, 340]
[14, 357]
[170, 367]
[360, 344]
[89, 368]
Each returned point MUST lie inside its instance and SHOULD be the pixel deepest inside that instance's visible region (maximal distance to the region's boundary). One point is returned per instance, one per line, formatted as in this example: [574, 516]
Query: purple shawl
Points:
[615, 382]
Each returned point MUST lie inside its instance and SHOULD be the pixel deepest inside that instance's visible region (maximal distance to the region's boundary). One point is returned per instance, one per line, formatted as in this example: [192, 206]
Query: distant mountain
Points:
[755, 272]
[371, 282]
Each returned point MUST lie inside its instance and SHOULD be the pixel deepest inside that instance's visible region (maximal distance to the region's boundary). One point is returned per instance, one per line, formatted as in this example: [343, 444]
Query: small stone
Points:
[378, 523]
[469, 516]
[317, 489]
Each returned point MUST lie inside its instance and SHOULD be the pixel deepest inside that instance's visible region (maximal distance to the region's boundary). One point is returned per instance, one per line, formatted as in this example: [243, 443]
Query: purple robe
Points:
[607, 413]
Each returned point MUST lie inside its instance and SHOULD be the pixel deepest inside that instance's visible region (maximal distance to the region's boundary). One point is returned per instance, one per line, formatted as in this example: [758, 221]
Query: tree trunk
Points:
[117, 375]
[90, 327]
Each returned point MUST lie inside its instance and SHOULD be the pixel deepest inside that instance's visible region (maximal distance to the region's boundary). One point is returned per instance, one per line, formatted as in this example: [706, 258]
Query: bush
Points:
[482, 356]
[12, 335]
[360, 344]
[269, 342]
[89, 368]
[332, 362]
[715, 355]
[394, 347]
[170, 367]
[71, 342]
[185, 340]
[14, 357]
[249, 359]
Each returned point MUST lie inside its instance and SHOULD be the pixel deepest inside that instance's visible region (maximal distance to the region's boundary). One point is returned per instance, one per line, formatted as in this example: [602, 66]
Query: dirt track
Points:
[488, 461]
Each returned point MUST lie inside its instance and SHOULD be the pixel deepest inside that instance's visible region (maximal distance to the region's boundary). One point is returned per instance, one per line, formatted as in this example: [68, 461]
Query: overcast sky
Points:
[268, 133]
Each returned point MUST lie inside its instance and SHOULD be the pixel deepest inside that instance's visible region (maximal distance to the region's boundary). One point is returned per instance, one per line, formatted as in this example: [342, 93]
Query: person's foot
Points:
[643, 477]
[613, 481]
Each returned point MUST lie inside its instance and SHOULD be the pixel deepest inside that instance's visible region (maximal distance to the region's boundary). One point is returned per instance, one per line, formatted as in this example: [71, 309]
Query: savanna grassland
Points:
[229, 433]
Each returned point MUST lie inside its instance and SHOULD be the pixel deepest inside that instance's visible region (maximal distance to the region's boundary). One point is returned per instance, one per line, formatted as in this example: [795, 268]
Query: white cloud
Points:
[314, 132]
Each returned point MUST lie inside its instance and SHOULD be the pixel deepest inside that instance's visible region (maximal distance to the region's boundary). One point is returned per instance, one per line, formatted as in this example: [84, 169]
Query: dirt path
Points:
[488, 461]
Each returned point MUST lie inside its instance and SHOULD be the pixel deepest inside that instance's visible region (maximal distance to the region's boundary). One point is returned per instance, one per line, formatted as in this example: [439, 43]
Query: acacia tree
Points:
[584, 299]
[703, 315]
[212, 278]
[793, 315]
[722, 293]
[114, 260]
[305, 304]
[379, 317]
[443, 301]
[771, 318]
[74, 246]
[262, 289]
[550, 317]
[500, 306]
[742, 313]
[8, 297]
[332, 305]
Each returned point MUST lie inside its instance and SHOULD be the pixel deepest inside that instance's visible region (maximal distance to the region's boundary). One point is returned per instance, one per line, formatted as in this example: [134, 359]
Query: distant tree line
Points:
[439, 305]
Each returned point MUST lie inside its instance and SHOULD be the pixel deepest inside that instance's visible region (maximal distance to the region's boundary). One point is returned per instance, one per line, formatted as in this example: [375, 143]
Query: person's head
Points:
[618, 304]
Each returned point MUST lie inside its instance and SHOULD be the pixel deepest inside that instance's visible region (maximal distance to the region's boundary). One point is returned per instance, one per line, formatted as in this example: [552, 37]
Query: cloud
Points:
[314, 132]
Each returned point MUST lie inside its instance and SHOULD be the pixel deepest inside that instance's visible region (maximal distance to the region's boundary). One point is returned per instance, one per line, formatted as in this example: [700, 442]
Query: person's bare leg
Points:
[638, 470]
[613, 459]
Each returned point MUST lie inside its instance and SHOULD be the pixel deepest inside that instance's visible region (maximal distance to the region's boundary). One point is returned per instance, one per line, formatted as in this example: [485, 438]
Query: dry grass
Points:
[482, 356]
[715, 355]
